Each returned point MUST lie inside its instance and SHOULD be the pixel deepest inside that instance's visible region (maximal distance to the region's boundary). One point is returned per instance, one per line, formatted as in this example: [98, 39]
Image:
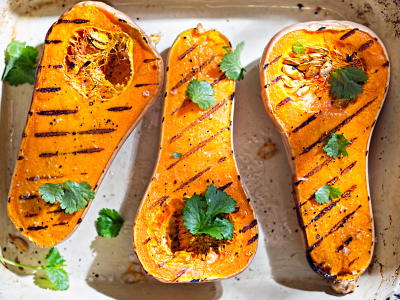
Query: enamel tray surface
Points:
[279, 269]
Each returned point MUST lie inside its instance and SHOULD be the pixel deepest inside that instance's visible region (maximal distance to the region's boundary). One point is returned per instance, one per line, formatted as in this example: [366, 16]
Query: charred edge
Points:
[147, 60]
[60, 224]
[222, 159]
[27, 197]
[252, 240]
[283, 102]
[192, 73]
[232, 96]
[349, 191]
[146, 241]
[250, 226]
[160, 201]
[321, 28]
[119, 108]
[192, 179]
[55, 211]
[345, 243]
[319, 269]
[308, 121]
[366, 45]
[48, 154]
[316, 169]
[338, 225]
[48, 90]
[57, 67]
[348, 168]
[145, 84]
[222, 77]
[76, 21]
[180, 273]
[272, 61]
[273, 81]
[322, 213]
[57, 112]
[224, 187]
[194, 280]
[97, 131]
[92, 150]
[330, 183]
[30, 215]
[348, 34]
[184, 103]
[51, 134]
[182, 56]
[386, 64]
[123, 21]
[326, 135]
[52, 42]
[199, 146]
[20, 158]
[37, 227]
[204, 116]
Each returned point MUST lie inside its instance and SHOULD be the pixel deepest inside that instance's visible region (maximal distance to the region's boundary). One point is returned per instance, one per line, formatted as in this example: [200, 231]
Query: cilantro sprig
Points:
[71, 195]
[20, 61]
[345, 82]
[201, 92]
[176, 155]
[202, 214]
[55, 277]
[298, 48]
[326, 193]
[109, 223]
[231, 65]
[336, 145]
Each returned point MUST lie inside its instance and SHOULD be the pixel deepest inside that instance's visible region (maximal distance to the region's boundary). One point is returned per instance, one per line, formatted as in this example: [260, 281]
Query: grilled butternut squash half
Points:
[98, 75]
[165, 249]
[338, 234]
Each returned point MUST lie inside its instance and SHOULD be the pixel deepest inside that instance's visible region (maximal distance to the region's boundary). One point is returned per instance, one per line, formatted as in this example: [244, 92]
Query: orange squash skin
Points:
[204, 139]
[69, 136]
[338, 236]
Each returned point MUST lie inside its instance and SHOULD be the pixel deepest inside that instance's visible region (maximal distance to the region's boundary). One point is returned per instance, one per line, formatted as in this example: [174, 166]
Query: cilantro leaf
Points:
[326, 193]
[20, 61]
[54, 258]
[176, 155]
[231, 65]
[202, 214]
[109, 223]
[59, 278]
[336, 145]
[298, 48]
[344, 82]
[71, 195]
[201, 92]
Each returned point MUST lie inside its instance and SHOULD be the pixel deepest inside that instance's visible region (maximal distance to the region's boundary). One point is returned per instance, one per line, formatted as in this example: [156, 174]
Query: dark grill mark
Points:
[348, 168]
[308, 121]
[76, 21]
[57, 66]
[194, 123]
[160, 201]
[52, 42]
[55, 211]
[57, 112]
[366, 45]
[119, 108]
[97, 131]
[252, 240]
[199, 146]
[338, 225]
[62, 223]
[272, 61]
[222, 77]
[224, 187]
[347, 34]
[326, 135]
[147, 60]
[322, 213]
[27, 197]
[48, 90]
[180, 273]
[30, 215]
[330, 183]
[182, 56]
[273, 81]
[192, 179]
[20, 158]
[348, 192]
[352, 262]
[192, 73]
[123, 21]
[316, 169]
[232, 96]
[184, 103]
[48, 154]
[321, 28]
[37, 227]
[283, 102]
[51, 134]
[145, 84]
[146, 241]
[93, 150]
[386, 64]
[250, 226]
[345, 243]
[222, 159]
[44, 177]
[194, 280]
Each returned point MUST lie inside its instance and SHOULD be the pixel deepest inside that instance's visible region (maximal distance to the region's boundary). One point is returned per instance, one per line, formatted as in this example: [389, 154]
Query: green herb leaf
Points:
[344, 82]
[59, 278]
[326, 193]
[109, 223]
[202, 214]
[176, 155]
[20, 61]
[336, 145]
[54, 258]
[231, 65]
[71, 195]
[298, 48]
[201, 92]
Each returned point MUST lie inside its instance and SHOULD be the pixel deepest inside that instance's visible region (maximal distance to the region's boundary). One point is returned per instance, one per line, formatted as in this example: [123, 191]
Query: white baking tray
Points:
[280, 269]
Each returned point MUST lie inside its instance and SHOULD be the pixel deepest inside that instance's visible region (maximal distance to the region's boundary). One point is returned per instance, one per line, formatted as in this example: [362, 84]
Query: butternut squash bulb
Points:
[300, 92]
[98, 75]
[162, 244]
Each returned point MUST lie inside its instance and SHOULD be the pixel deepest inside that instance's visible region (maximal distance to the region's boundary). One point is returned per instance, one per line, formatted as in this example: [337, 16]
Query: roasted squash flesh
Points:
[97, 76]
[338, 236]
[164, 247]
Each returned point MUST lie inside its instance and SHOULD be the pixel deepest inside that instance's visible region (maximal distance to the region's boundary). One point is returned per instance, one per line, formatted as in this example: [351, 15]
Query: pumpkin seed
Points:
[292, 72]
[326, 68]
